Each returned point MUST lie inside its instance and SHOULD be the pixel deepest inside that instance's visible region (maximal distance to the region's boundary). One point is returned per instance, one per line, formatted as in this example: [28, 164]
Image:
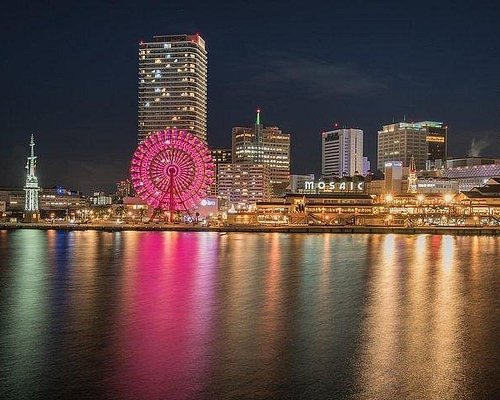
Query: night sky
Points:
[69, 75]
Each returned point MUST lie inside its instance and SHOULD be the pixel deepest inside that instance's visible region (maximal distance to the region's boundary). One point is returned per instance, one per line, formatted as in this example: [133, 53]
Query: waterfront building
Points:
[31, 187]
[244, 183]
[342, 152]
[471, 177]
[14, 199]
[435, 186]
[350, 208]
[57, 202]
[267, 145]
[483, 201]
[471, 162]
[426, 141]
[394, 183]
[173, 85]
[469, 172]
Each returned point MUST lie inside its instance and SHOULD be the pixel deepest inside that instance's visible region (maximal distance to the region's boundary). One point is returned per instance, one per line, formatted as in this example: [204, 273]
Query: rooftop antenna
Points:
[258, 127]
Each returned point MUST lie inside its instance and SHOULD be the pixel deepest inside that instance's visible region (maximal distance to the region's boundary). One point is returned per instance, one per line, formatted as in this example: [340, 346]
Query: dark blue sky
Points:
[70, 75]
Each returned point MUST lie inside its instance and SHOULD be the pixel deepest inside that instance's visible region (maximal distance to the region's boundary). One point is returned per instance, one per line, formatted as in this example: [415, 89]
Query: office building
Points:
[264, 145]
[437, 144]
[426, 141]
[342, 152]
[244, 183]
[173, 85]
[219, 157]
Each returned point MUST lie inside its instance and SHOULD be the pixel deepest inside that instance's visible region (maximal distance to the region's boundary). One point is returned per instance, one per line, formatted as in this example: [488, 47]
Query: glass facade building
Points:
[426, 141]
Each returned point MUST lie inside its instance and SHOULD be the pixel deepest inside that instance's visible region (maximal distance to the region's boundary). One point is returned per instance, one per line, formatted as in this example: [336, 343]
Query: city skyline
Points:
[86, 127]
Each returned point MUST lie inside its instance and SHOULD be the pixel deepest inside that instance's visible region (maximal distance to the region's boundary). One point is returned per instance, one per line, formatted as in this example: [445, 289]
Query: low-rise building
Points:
[471, 174]
[483, 202]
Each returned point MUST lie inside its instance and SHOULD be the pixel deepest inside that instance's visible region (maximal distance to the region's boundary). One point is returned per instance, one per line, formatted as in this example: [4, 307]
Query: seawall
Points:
[435, 230]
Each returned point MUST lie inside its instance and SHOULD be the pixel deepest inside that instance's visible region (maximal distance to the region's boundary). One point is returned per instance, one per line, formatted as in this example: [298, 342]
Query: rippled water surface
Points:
[171, 315]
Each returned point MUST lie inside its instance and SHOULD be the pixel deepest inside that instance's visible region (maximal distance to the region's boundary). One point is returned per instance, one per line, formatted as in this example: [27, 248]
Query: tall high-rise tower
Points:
[31, 187]
[173, 85]
[267, 145]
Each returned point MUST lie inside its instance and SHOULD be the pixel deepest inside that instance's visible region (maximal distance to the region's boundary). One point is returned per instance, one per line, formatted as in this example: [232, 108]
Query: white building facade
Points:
[342, 152]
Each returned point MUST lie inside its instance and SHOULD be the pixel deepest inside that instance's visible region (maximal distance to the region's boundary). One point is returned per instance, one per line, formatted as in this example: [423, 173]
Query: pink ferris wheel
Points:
[172, 171]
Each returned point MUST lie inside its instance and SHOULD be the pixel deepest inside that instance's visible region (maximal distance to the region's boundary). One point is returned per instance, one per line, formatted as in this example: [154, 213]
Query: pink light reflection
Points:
[165, 345]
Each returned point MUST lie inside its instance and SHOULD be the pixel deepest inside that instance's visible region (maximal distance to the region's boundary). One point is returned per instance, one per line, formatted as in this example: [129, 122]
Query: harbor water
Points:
[209, 315]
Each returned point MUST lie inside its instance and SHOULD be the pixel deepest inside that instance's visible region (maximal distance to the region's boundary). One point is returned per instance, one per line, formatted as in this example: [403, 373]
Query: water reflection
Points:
[201, 315]
[24, 314]
[414, 343]
[164, 347]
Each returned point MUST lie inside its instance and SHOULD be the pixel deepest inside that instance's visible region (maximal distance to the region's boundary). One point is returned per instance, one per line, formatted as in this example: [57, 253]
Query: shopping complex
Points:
[375, 206]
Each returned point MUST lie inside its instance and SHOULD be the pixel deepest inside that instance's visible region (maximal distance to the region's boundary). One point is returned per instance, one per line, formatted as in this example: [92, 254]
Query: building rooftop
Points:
[474, 171]
[412, 125]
